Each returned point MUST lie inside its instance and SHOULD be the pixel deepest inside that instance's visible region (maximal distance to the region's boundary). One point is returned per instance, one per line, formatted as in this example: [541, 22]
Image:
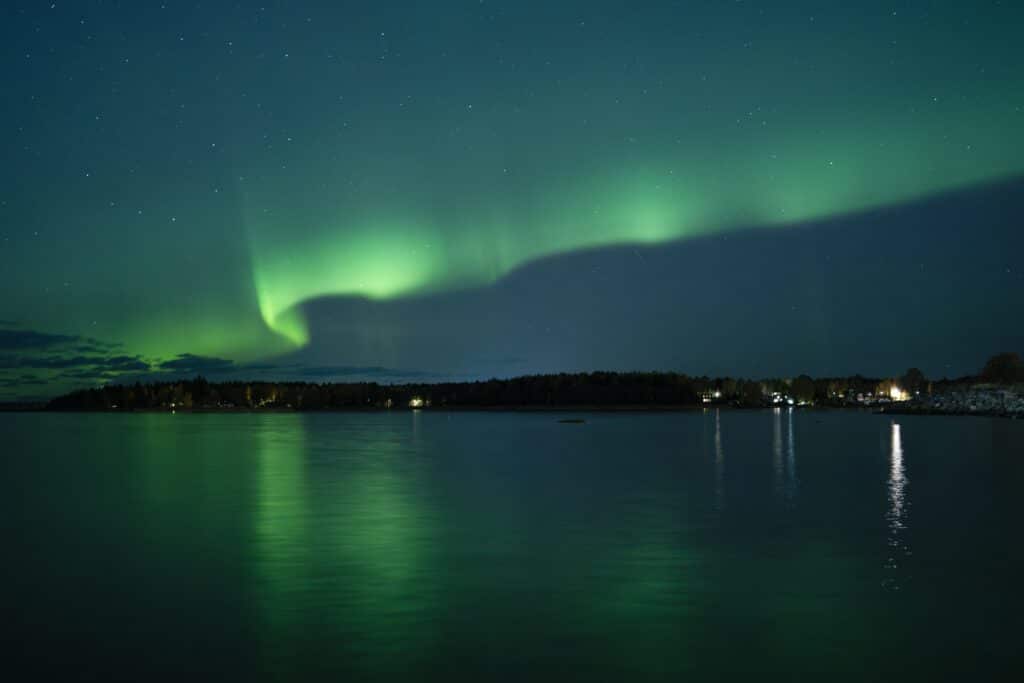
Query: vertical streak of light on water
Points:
[719, 462]
[897, 480]
[777, 468]
[896, 514]
[792, 482]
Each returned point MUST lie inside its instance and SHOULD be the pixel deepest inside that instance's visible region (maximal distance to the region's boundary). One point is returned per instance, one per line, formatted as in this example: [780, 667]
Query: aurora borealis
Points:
[445, 188]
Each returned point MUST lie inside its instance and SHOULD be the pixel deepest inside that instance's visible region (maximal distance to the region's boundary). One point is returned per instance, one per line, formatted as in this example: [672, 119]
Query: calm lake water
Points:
[503, 546]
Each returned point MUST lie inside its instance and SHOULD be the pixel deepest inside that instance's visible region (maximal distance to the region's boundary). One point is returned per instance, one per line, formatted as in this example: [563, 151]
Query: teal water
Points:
[504, 546]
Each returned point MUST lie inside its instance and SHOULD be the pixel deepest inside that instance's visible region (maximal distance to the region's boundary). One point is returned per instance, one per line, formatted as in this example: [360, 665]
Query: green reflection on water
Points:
[281, 521]
[344, 540]
[416, 547]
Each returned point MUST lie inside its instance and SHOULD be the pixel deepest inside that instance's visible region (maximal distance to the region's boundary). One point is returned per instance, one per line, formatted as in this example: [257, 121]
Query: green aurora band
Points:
[191, 188]
[720, 185]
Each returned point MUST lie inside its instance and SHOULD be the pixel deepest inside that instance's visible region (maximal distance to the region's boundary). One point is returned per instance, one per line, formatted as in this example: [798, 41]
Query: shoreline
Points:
[1009, 415]
[623, 409]
[984, 401]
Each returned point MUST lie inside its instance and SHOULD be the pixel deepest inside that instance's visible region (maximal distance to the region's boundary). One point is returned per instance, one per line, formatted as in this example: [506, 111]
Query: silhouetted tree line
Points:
[598, 389]
[1004, 368]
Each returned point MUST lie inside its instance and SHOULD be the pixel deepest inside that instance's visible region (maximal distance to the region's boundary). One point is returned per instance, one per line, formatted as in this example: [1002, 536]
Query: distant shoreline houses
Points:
[597, 390]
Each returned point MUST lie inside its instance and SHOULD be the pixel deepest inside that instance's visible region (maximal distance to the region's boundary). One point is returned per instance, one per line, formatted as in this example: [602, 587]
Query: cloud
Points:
[61, 359]
[30, 340]
[89, 345]
[64, 361]
[24, 380]
[21, 340]
[125, 364]
[268, 367]
[91, 374]
[48, 362]
[188, 362]
[114, 364]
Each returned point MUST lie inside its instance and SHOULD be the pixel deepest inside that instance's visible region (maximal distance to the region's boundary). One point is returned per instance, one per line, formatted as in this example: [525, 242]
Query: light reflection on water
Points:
[777, 465]
[897, 481]
[281, 517]
[792, 483]
[896, 513]
[480, 546]
[342, 541]
[785, 482]
[719, 462]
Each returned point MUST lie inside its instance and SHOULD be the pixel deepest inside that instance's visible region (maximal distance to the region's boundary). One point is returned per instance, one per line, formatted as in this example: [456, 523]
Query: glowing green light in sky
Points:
[713, 186]
[205, 215]
[378, 265]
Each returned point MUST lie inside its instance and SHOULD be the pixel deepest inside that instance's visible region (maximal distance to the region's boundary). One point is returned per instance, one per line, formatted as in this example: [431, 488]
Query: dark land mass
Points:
[21, 406]
[996, 390]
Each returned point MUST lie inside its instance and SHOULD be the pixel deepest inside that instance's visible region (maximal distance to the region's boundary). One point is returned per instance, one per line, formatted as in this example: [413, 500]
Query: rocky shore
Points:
[979, 400]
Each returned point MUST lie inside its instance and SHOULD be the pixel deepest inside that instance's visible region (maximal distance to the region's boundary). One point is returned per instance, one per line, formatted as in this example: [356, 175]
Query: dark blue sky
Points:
[398, 190]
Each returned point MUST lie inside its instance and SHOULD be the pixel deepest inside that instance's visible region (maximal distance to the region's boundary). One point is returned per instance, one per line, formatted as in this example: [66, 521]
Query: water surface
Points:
[508, 546]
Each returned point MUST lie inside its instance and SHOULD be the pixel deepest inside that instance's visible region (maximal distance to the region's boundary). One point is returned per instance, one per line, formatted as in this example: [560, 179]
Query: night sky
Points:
[457, 190]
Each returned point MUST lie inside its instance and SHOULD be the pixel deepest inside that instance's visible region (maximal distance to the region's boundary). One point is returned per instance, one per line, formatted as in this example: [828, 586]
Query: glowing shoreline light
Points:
[898, 394]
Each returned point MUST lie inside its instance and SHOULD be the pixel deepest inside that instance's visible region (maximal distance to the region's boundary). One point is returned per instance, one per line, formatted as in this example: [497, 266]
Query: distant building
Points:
[711, 396]
[898, 394]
